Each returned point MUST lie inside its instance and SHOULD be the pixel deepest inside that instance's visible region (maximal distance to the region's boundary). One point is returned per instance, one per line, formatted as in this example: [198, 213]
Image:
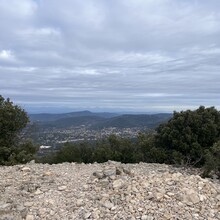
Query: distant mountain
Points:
[74, 121]
[129, 121]
[100, 120]
[44, 117]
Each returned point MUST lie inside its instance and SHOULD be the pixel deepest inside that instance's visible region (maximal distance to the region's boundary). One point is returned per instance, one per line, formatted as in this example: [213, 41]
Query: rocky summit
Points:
[106, 191]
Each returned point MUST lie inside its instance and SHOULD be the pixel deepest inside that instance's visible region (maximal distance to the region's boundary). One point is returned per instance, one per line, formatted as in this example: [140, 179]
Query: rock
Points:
[167, 215]
[127, 170]
[108, 205]
[95, 214]
[38, 192]
[29, 217]
[5, 206]
[118, 184]
[119, 171]
[98, 174]
[109, 171]
[158, 196]
[61, 188]
[48, 173]
[114, 163]
[190, 197]
[26, 169]
[28, 204]
[80, 202]
[87, 215]
[104, 182]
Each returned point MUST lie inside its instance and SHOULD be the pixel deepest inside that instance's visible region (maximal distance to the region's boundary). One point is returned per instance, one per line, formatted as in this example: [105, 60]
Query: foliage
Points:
[212, 160]
[148, 150]
[69, 153]
[189, 134]
[113, 148]
[12, 120]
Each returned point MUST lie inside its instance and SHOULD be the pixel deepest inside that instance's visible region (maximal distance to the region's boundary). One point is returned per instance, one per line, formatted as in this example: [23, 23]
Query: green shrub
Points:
[212, 161]
[188, 135]
[148, 150]
[12, 120]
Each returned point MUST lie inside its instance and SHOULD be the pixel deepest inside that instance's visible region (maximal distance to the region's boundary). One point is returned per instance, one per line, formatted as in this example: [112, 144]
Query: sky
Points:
[110, 55]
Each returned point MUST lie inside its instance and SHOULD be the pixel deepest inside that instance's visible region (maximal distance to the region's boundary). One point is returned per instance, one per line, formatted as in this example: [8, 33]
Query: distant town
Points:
[57, 136]
[52, 131]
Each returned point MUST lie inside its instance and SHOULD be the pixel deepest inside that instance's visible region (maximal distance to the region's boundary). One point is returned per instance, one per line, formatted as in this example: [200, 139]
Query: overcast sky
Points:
[110, 55]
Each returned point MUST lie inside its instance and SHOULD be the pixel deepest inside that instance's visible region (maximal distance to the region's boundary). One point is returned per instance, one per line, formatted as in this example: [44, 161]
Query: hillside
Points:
[100, 120]
[45, 117]
[129, 121]
[74, 121]
[106, 191]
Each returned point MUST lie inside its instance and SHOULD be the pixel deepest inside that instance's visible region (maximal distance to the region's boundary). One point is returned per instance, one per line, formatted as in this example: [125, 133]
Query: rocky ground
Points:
[106, 191]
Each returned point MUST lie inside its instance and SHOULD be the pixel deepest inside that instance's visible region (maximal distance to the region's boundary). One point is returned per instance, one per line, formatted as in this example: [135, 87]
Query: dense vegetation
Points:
[190, 138]
[188, 135]
[112, 148]
[12, 120]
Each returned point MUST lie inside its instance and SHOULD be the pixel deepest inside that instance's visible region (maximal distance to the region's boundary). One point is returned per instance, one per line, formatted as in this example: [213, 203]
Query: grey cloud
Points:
[161, 55]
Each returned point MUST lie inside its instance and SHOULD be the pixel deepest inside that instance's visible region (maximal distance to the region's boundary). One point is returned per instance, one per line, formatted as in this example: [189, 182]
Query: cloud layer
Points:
[143, 55]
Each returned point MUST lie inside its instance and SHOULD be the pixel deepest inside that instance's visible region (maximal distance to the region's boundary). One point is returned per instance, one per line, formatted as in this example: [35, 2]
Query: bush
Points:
[148, 150]
[112, 148]
[12, 120]
[188, 135]
[212, 161]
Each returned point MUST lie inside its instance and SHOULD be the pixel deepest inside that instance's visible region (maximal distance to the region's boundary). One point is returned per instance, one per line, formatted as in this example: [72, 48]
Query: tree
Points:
[12, 120]
[189, 134]
[70, 152]
[147, 150]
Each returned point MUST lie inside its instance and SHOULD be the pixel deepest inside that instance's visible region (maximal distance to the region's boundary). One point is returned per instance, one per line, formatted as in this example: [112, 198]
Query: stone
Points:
[98, 174]
[109, 171]
[104, 182]
[118, 184]
[29, 217]
[5, 206]
[144, 217]
[119, 171]
[26, 169]
[114, 163]
[108, 205]
[190, 197]
[38, 192]
[127, 170]
[158, 196]
[87, 215]
[28, 204]
[61, 188]
[48, 173]
[80, 202]
[95, 215]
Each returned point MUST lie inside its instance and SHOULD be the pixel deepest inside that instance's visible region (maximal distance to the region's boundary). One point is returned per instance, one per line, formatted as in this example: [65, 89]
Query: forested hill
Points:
[100, 120]
[44, 117]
